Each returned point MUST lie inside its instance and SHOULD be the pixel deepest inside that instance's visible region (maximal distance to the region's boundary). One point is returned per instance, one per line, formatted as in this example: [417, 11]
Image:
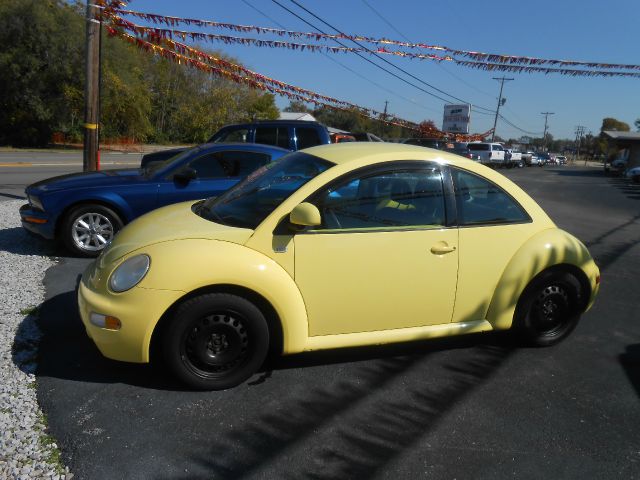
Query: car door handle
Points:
[441, 248]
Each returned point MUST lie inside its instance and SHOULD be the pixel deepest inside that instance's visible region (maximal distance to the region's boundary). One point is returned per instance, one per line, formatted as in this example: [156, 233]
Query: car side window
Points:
[307, 137]
[404, 198]
[481, 202]
[246, 162]
[278, 136]
[212, 165]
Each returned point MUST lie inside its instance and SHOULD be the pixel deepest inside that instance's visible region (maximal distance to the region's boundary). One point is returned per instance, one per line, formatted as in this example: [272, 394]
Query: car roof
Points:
[273, 122]
[342, 153]
[242, 146]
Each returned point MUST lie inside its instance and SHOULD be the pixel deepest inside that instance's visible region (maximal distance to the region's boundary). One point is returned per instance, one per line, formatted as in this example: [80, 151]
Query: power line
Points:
[382, 59]
[363, 77]
[385, 20]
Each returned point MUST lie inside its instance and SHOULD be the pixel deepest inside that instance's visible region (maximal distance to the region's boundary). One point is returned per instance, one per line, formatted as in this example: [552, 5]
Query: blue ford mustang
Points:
[85, 210]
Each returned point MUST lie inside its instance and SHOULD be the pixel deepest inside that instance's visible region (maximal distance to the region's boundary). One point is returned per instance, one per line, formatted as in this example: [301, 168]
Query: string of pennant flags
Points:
[184, 54]
[465, 58]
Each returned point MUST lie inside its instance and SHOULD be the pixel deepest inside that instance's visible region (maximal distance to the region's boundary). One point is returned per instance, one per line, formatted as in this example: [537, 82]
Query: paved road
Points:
[473, 407]
[21, 168]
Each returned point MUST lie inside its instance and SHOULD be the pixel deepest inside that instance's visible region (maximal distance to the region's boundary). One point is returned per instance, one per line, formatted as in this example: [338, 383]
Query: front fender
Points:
[192, 264]
[63, 202]
[546, 249]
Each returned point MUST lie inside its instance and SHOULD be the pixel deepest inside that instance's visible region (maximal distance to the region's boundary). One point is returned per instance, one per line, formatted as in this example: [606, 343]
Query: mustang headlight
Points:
[35, 202]
[129, 273]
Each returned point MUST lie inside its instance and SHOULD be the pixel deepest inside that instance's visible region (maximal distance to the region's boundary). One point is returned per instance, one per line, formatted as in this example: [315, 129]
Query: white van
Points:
[490, 153]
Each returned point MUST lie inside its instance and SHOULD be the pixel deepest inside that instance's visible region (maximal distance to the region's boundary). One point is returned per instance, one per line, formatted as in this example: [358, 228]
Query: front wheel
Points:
[215, 341]
[88, 229]
[548, 310]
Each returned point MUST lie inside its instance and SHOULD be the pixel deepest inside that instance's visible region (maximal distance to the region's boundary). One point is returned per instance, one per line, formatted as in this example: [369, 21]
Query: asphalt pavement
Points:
[468, 407]
[19, 168]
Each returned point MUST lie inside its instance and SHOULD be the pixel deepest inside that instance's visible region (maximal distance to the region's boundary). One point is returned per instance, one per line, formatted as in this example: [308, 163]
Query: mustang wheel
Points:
[548, 310]
[216, 341]
[88, 229]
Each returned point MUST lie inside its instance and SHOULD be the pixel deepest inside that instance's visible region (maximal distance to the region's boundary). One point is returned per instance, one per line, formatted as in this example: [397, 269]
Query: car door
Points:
[493, 226]
[215, 172]
[383, 257]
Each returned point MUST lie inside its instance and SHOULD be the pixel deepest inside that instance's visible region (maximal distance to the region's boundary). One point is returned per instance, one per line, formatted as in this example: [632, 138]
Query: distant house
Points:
[625, 141]
[297, 116]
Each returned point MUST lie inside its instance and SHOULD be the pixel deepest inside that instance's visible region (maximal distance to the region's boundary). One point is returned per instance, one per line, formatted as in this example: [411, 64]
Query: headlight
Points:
[35, 202]
[129, 273]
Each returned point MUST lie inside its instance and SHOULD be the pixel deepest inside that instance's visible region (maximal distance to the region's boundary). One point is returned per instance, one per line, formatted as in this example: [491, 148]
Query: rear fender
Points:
[546, 249]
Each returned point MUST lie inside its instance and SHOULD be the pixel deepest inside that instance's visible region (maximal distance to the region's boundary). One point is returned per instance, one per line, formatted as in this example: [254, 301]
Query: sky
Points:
[604, 32]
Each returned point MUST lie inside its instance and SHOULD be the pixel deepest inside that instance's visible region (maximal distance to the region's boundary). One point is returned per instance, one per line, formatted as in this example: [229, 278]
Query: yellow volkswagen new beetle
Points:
[335, 246]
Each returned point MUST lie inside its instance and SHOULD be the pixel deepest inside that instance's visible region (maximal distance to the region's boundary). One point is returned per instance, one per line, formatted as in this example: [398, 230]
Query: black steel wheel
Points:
[548, 310]
[87, 229]
[216, 341]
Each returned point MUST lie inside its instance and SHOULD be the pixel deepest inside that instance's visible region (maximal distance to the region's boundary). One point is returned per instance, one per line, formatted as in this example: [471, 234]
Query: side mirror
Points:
[305, 215]
[185, 175]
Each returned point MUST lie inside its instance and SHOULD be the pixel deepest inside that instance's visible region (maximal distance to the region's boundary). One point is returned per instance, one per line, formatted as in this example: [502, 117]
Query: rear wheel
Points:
[215, 341]
[88, 229]
[548, 310]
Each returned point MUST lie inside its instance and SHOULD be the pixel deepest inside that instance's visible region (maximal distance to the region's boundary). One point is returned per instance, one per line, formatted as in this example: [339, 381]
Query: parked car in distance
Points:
[491, 154]
[462, 149]
[308, 252]
[617, 166]
[436, 143]
[514, 158]
[85, 210]
[288, 134]
[342, 137]
[561, 160]
[366, 137]
[633, 174]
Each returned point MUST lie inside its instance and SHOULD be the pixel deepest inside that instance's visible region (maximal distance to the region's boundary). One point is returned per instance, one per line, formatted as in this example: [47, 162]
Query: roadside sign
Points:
[456, 118]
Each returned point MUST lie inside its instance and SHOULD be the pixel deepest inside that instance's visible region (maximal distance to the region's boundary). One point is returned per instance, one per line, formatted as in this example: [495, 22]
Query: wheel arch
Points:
[276, 333]
[116, 207]
[549, 251]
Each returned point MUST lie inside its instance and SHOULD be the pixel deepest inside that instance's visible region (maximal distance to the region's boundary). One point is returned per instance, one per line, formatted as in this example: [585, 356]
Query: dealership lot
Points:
[475, 406]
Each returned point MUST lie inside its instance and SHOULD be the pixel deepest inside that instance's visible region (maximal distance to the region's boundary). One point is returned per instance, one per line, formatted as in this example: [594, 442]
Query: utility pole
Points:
[495, 121]
[91, 90]
[579, 132]
[544, 135]
[384, 118]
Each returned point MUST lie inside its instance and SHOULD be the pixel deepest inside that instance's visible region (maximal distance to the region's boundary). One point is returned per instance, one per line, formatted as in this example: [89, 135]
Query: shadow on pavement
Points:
[577, 171]
[357, 428]
[630, 361]
[18, 241]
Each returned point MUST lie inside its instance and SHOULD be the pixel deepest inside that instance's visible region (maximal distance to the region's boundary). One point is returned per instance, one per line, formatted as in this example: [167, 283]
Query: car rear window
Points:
[478, 146]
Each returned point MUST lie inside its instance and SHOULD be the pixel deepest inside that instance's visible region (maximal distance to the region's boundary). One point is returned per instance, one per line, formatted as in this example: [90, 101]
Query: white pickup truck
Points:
[514, 159]
[492, 154]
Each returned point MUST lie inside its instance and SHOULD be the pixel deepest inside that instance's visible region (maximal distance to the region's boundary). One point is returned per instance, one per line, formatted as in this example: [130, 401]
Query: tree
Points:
[40, 61]
[637, 124]
[613, 124]
[297, 106]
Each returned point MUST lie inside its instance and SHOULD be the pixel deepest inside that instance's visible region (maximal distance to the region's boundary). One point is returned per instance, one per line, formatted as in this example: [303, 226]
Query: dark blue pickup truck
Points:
[288, 134]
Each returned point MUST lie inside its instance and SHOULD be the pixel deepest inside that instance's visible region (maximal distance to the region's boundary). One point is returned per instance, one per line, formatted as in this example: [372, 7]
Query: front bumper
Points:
[138, 310]
[37, 221]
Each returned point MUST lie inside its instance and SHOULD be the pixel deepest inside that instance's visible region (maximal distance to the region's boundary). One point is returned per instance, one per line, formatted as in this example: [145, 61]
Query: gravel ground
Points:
[26, 451]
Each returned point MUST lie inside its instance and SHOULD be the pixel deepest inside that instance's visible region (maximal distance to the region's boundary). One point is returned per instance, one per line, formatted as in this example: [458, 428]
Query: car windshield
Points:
[248, 203]
[155, 167]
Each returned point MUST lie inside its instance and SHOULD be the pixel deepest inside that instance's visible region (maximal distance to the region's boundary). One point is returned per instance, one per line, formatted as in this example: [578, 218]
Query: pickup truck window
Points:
[307, 137]
[278, 136]
[231, 135]
[478, 146]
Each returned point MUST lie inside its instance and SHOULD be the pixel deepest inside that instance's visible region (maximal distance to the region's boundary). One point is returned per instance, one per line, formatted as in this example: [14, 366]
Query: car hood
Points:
[170, 223]
[88, 180]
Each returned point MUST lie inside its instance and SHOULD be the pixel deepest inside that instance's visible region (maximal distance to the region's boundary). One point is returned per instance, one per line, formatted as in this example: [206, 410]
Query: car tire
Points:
[88, 229]
[215, 341]
[548, 309]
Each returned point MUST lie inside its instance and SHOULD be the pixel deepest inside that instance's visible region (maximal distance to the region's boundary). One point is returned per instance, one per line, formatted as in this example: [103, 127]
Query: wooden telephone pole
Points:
[91, 91]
